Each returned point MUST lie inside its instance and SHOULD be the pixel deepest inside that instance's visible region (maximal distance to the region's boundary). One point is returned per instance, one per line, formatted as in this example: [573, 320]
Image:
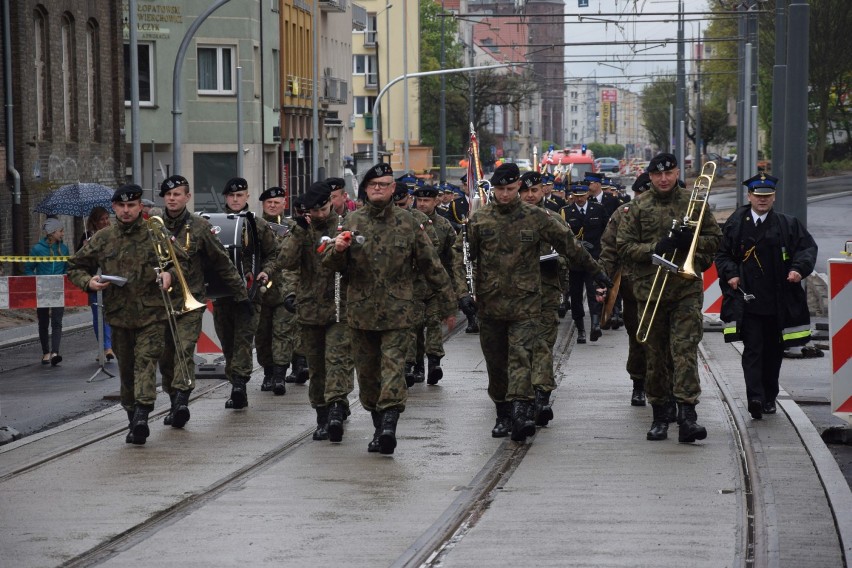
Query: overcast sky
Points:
[627, 66]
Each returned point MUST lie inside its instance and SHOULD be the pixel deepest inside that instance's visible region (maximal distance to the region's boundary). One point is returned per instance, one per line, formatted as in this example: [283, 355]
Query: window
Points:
[364, 105]
[573, 108]
[216, 70]
[366, 65]
[370, 36]
[93, 79]
[146, 73]
[40, 65]
[69, 77]
[276, 80]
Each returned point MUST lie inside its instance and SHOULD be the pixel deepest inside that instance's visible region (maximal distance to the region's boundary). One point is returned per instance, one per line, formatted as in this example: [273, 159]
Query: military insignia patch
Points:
[527, 237]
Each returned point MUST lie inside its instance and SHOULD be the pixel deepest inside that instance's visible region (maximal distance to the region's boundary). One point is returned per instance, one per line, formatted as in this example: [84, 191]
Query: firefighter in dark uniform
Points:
[597, 195]
[761, 262]
[588, 221]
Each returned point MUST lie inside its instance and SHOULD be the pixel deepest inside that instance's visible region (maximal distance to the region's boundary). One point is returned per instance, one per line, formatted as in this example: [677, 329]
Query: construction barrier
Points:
[840, 335]
[712, 292]
[210, 361]
[19, 292]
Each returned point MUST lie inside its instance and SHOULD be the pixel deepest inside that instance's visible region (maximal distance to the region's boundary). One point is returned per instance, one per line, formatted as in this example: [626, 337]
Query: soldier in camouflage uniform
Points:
[194, 235]
[136, 310]
[430, 338]
[677, 329]
[236, 323]
[320, 301]
[277, 330]
[380, 299]
[505, 238]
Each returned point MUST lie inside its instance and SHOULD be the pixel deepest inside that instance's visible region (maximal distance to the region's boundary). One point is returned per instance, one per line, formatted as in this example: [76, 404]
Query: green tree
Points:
[657, 99]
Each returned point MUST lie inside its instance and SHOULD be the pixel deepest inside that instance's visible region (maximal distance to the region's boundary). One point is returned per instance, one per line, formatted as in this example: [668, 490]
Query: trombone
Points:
[161, 240]
[693, 219]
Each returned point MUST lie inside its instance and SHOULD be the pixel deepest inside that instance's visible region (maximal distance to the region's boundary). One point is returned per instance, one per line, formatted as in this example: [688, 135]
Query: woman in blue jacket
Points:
[49, 318]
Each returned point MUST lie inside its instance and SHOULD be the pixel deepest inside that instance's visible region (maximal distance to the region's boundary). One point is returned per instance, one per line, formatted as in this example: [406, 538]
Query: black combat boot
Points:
[617, 321]
[638, 396]
[596, 328]
[139, 425]
[409, 374]
[321, 433]
[180, 409]
[435, 372]
[660, 426]
[303, 372]
[387, 439]
[373, 446]
[690, 430]
[419, 372]
[542, 411]
[581, 331]
[672, 411]
[239, 397]
[504, 420]
[472, 325]
[279, 379]
[167, 421]
[129, 438]
[522, 423]
[266, 385]
[336, 416]
[563, 307]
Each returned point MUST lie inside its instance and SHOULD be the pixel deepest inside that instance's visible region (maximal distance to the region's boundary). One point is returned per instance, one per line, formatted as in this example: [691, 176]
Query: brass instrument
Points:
[693, 219]
[609, 303]
[165, 252]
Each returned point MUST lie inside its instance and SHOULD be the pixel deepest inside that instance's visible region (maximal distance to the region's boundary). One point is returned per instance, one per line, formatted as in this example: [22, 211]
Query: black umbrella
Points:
[76, 199]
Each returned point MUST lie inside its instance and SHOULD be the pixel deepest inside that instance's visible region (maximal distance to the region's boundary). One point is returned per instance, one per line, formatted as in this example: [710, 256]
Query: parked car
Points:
[608, 165]
[524, 164]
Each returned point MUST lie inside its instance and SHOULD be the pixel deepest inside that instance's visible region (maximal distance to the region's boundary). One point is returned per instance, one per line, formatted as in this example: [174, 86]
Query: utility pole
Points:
[795, 174]
[699, 154]
[442, 127]
[779, 88]
[680, 98]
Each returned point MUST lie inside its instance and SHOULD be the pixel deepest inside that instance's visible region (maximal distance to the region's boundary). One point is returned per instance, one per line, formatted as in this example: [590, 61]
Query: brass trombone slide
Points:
[693, 219]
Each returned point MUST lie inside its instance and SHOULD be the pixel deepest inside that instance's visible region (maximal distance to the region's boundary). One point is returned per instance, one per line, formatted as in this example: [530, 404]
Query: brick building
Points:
[63, 89]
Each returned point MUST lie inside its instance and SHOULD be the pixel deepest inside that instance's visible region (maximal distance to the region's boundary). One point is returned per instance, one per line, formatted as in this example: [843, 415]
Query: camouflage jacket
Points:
[126, 250]
[315, 295]
[283, 282]
[647, 221]
[268, 252]
[551, 277]
[421, 288]
[380, 291]
[505, 242]
[445, 240]
[195, 236]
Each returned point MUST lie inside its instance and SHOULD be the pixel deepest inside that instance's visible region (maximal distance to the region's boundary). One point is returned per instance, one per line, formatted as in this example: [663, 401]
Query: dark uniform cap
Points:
[547, 179]
[377, 171]
[234, 185]
[274, 191]
[580, 188]
[594, 177]
[172, 182]
[400, 191]
[426, 191]
[529, 179]
[642, 183]
[559, 185]
[662, 162]
[125, 193]
[761, 184]
[317, 196]
[506, 174]
[335, 183]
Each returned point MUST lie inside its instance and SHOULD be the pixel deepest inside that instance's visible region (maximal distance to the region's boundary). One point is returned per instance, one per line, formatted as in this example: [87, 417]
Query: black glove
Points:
[290, 303]
[467, 306]
[603, 281]
[302, 222]
[666, 245]
[587, 245]
[684, 238]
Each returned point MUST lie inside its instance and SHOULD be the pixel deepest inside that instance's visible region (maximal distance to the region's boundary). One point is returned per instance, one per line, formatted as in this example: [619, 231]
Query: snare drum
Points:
[238, 234]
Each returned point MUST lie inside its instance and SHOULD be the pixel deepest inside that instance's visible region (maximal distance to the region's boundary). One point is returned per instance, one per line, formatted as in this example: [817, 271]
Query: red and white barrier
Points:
[18, 292]
[712, 292]
[208, 348]
[840, 335]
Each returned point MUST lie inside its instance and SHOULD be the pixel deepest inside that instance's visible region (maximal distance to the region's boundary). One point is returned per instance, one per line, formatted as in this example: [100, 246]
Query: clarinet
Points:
[468, 263]
[337, 288]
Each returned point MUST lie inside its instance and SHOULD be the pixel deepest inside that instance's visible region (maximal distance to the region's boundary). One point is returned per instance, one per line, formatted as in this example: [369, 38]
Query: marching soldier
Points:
[677, 328]
[194, 235]
[380, 297]
[588, 221]
[135, 309]
[505, 237]
[320, 301]
[237, 324]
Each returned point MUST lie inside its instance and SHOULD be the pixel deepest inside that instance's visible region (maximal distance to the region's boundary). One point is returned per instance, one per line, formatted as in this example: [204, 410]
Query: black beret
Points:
[172, 182]
[761, 184]
[317, 196]
[234, 185]
[642, 183]
[400, 191]
[529, 179]
[506, 174]
[594, 177]
[274, 191]
[129, 192]
[335, 183]
[662, 162]
[426, 191]
[379, 170]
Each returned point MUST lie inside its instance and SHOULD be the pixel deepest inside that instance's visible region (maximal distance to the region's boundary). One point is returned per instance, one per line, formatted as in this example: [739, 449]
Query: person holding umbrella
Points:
[98, 219]
[49, 318]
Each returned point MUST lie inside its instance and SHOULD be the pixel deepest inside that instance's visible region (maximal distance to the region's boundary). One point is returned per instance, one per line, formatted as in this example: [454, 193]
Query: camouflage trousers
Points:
[277, 336]
[329, 354]
[672, 351]
[235, 328]
[137, 351]
[636, 361]
[430, 336]
[380, 361]
[542, 367]
[188, 328]
[414, 350]
[508, 347]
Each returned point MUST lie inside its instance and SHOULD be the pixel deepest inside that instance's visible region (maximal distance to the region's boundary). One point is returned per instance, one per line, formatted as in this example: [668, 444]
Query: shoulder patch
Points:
[626, 207]
[422, 228]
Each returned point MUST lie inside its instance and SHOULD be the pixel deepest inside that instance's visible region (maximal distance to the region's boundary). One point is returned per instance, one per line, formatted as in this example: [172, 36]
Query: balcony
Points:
[299, 87]
[335, 91]
[371, 80]
[370, 38]
[359, 18]
[368, 122]
[333, 5]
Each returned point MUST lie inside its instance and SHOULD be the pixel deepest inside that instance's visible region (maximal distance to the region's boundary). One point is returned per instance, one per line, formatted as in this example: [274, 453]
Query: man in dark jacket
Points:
[763, 257]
